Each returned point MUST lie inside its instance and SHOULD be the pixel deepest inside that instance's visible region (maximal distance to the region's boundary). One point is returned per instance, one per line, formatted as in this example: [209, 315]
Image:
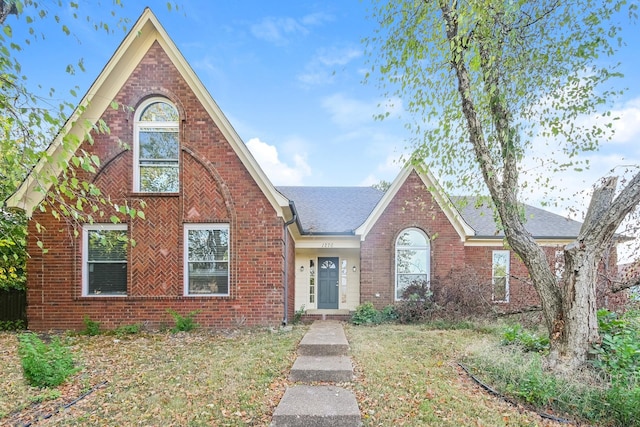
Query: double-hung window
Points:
[500, 276]
[206, 266]
[104, 265]
[156, 147]
[412, 261]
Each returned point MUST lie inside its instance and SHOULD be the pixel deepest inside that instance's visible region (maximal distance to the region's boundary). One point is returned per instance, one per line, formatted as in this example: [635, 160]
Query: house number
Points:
[327, 245]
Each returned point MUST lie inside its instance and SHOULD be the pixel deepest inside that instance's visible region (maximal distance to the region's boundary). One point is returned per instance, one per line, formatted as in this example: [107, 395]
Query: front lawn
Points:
[197, 378]
[404, 375]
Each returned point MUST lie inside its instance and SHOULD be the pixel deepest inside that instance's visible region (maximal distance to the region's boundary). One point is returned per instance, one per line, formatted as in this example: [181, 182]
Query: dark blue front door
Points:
[328, 275]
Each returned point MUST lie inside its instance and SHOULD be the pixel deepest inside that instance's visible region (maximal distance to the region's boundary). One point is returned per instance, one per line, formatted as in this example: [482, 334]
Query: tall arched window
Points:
[412, 260]
[156, 147]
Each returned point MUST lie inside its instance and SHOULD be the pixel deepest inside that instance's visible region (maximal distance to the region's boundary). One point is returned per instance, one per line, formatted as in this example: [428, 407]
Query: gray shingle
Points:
[340, 210]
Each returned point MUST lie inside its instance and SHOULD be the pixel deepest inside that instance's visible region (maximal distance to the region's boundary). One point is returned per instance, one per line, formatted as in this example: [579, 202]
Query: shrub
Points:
[463, 293]
[12, 325]
[91, 327]
[184, 323]
[366, 314]
[44, 365]
[618, 353]
[297, 315]
[417, 303]
[529, 341]
[388, 314]
[128, 329]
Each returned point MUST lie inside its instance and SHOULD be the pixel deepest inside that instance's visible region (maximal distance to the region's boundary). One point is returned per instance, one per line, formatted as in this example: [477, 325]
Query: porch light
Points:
[354, 268]
[301, 268]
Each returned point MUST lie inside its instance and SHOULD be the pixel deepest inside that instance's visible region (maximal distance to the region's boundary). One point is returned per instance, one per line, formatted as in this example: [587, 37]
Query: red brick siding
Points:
[215, 187]
[413, 206]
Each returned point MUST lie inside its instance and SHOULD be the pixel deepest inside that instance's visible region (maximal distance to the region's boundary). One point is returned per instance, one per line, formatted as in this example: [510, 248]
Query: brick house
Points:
[219, 238]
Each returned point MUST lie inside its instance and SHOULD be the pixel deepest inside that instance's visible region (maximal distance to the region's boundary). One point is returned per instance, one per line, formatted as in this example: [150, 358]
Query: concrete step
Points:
[324, 338]
[322, 368]
[317, 406]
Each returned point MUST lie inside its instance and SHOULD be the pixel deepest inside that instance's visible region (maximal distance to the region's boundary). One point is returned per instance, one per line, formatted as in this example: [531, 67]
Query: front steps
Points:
[322, 358]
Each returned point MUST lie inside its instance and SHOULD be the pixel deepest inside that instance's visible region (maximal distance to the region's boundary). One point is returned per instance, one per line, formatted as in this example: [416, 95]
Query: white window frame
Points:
[426, 248]
[495, 255]
[205, 226]
[85, 256]
[138, 125]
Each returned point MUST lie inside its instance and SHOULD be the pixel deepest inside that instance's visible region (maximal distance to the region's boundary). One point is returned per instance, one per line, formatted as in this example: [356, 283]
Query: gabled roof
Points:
[354, 210]
[540, 223]
[98, 98]
[457, 221]
[332, 210]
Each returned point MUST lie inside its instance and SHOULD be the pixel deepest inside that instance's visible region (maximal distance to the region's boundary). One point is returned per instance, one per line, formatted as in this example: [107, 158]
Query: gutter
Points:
[285, 318]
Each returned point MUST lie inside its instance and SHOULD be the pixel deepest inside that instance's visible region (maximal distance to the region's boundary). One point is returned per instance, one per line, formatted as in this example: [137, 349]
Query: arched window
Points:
[412, 260]
[156, 147]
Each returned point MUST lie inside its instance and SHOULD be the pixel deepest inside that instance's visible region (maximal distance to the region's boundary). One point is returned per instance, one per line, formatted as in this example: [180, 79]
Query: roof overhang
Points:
[463, 229]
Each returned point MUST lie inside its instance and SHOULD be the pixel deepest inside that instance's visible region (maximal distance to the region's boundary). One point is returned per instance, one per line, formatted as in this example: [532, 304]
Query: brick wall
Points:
[215, 187]
[412, 207]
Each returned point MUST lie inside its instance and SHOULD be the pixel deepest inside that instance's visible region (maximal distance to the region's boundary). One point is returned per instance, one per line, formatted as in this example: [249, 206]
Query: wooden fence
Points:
[13, 305]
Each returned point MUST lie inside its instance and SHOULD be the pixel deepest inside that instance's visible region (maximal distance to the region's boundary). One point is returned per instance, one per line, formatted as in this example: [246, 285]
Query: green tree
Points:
[30, 120]
[495, 85]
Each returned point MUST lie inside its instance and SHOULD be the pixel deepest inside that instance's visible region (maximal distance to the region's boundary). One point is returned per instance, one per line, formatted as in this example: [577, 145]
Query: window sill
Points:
[150, 194]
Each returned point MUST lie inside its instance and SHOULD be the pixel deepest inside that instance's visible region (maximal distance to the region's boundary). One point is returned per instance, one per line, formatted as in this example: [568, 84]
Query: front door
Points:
[328, 275]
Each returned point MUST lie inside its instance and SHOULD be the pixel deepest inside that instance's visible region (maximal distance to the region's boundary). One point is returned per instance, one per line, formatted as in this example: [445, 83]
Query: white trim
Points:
[507, 273]
[396, 248]
[135, 45]
[463, 229]
[85, 254]
[137, 124]
[204, 226]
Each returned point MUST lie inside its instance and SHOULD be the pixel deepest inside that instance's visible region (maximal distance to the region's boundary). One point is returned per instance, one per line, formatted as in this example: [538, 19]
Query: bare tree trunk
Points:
[577, 328]
[569, 309]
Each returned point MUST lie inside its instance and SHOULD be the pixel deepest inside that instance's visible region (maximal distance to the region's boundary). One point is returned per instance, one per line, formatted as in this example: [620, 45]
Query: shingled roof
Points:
[332, 210]
[341, 210]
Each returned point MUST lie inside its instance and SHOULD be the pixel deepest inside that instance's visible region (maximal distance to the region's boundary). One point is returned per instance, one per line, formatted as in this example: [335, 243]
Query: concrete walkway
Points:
[323, 357]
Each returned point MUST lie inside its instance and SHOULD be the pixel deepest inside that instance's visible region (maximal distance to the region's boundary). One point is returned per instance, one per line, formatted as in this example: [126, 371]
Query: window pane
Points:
[405, 280]
[500, 275]
[158, 144]
[411, 238]
[159, 112]
[208, 245]
[208, 278]
[500, 289]
[107, 245]
[159, 179]
[107, 278]
[412, 261]
[208, 261]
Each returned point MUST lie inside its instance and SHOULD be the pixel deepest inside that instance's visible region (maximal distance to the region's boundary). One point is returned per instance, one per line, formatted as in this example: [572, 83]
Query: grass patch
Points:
[198, 378]
[407, 375]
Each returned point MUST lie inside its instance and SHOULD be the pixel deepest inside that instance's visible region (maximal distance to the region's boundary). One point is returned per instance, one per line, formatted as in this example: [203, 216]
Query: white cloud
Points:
[279, 172]
[321, 68]
[349, 112]
[280, 30]
[627, 127]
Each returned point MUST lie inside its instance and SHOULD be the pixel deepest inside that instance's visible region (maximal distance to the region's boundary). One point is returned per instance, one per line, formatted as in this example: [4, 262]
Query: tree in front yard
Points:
[501, 89]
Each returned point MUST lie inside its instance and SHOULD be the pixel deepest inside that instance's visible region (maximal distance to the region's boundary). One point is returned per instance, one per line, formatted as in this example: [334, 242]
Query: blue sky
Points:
[288, 75]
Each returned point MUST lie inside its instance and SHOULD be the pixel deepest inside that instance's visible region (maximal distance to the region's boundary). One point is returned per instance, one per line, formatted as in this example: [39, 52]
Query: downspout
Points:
[285, 318]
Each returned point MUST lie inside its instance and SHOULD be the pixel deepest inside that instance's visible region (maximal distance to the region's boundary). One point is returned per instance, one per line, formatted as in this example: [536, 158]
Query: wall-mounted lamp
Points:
[354, 268]
[301, 268]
